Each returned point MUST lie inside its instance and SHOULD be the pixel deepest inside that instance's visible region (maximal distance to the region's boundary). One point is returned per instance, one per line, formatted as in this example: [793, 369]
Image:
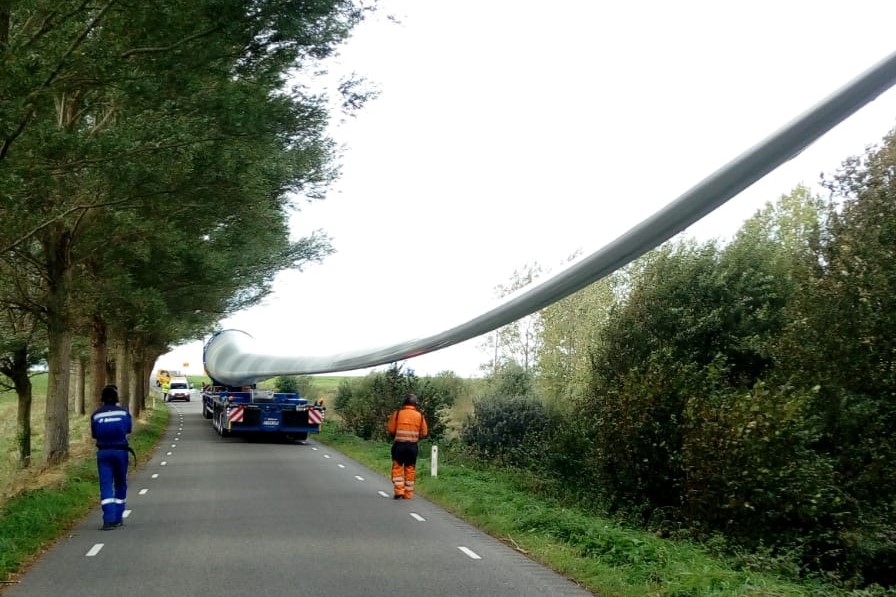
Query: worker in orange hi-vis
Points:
[408, 426]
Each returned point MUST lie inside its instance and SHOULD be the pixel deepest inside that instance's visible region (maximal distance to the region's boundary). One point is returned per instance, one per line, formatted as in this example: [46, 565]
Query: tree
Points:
[105, 109]
[569, 329]
[844, 333]
[21, 348]
[697, 324]
[518, 341]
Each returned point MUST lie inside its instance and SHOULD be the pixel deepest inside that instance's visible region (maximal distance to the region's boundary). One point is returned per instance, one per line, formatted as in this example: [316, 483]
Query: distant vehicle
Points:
[179, 389]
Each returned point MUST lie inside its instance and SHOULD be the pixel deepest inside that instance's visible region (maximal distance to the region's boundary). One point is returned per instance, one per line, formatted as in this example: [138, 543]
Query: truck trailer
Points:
[250, 411]
[247, 410]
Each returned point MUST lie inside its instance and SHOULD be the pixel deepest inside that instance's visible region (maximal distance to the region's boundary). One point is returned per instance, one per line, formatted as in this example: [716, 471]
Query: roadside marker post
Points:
[434, 462]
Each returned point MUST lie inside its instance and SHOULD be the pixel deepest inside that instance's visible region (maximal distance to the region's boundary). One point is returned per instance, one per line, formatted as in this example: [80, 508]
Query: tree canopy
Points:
[150, 158]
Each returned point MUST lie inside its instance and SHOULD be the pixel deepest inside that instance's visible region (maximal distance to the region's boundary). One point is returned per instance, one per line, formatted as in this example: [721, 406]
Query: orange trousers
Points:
[403, 478]
[404, 468]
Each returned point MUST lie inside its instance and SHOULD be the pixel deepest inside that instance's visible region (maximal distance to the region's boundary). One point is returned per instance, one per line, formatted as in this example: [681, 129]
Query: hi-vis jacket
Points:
[408, 424]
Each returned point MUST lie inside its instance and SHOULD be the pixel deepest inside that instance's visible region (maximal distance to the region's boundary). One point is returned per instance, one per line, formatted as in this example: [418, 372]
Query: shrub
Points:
[510, 430]
[365, 404]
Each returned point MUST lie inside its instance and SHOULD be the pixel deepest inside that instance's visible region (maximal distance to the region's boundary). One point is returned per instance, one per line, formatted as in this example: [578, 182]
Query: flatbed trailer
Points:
[248, 411]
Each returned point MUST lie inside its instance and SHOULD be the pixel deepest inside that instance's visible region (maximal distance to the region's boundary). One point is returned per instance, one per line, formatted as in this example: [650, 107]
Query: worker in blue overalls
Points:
[110, 425]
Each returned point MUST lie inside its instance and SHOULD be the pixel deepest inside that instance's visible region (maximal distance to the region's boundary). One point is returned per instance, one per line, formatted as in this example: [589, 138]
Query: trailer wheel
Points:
[206, 413]
[222, 424]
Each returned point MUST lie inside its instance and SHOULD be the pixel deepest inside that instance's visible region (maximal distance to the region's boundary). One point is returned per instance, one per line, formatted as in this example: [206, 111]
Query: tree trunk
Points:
[123, 370]
[16, 369]
[137, 387]
[111, 364]
[4, 23]
[57, 250]
[23, 434]
[98, 356]
[81, 388]
[149, 362]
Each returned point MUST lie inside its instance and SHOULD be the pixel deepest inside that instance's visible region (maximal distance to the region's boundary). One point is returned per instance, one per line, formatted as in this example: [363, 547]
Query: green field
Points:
[327, 385]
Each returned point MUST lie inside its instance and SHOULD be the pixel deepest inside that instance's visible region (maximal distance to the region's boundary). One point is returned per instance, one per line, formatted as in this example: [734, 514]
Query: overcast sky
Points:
[513, 132]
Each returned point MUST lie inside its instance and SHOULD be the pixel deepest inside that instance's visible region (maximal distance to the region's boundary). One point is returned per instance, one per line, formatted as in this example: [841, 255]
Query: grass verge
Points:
[597, 553]
[35, 518]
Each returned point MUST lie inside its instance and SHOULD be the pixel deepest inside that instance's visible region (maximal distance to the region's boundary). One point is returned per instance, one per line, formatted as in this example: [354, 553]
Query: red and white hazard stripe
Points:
[235, 415]
[315, 416]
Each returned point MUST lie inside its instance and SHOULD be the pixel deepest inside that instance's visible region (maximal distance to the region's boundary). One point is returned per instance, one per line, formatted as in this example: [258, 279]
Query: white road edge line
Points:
[94, 550]
[473, 555]
[417, 517]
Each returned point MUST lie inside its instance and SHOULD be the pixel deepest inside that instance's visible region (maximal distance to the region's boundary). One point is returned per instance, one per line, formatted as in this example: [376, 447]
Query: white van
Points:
[179, 389]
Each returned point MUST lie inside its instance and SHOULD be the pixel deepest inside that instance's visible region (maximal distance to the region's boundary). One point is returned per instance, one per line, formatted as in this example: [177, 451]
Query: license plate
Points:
[271, 422]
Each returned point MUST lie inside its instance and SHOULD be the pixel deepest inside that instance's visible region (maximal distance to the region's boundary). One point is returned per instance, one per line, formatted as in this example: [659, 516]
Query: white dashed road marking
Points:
[359, 477]
[155, 475]
[383, 493]
[326, 455]
[315, 449]
[126, 513]
[143, 491]
[341, 465]
[163, 463]
[169, 453]
[94, 550]
[417, 517]
[473, 555]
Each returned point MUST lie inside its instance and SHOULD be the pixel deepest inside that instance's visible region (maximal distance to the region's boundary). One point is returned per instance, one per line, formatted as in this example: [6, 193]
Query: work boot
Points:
[108, 527]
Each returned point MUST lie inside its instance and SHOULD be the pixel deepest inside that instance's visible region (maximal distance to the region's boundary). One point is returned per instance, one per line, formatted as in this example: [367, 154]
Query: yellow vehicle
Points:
[162, 377]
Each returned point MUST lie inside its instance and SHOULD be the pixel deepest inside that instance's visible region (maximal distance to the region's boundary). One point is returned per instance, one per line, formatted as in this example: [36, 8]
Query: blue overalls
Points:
[110, 425]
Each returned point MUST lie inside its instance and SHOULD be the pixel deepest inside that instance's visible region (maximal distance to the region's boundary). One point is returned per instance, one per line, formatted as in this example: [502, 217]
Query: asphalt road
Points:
[230, 518]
